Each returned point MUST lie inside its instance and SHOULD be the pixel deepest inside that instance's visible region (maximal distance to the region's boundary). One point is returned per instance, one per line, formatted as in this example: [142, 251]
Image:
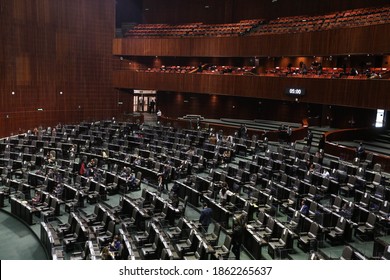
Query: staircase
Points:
[150, 119]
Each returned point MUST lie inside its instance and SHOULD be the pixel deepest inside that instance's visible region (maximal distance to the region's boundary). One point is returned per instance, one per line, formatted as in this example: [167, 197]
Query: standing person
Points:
[205, 217]
[160, 186]
[152, 104]
[321, 144]
[159, 114]
[141, 104]
[166, 175]
[82, 170]
[360, 151]
[309, 138]
[175, 195]
[289, 133]
[237, 237]
[242, 132]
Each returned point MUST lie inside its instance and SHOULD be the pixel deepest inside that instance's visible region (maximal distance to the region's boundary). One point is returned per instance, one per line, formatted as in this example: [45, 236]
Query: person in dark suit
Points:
[205, 217]
[321, 143]
[166, 176]
[304, 208]
[309, 138]
[238, 225]
[360, 151]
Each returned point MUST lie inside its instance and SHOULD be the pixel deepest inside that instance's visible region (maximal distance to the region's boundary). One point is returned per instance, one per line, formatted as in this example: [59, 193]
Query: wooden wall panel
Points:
[219, 11]
[343, 92]
[53, 46]
[362, 40]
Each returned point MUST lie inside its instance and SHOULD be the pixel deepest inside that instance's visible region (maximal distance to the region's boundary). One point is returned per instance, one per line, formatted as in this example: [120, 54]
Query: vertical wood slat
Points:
[360, 40]
[57, 46]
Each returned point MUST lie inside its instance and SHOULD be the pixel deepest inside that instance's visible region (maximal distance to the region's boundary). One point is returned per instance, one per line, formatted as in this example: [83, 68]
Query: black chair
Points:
[336, 235]
[280, 248]
[268, 206]
[187, 245]
[223, 251]
[68, 227]
[175, 233]
[199, 254]
[75, 203]
[94, 196]
[108, 235]
[366, 231]
[53, 210]
[295, 223]
[337, 203]
[384, 209]
[153, 250]
[309, 240]
[290, 203]
[348, 189]
[347, 253]
[365, 201]
[268, 231]
[79, 235]
[260, 222]
[113, 187]
[146, 236]
[386, 253]
[212, 238]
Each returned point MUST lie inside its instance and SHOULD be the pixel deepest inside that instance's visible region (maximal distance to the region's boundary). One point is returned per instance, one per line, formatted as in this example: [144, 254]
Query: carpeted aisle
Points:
[17, 241]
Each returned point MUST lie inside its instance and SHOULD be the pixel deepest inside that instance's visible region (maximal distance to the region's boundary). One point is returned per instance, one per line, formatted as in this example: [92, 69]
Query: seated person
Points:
[52, 157]
[131, 181]
[137, 161]
[226, 156]
[36, 199]
[58, 190]
[106, 254]
[115, 245]
[182, 168]
[325, 174]
[304, 208]
[125, 172]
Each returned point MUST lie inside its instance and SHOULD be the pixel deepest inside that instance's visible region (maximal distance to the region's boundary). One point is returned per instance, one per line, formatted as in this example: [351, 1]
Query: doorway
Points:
[143, 100]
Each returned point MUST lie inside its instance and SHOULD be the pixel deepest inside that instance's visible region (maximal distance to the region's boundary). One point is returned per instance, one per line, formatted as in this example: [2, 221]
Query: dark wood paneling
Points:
[219, 11]
[219, 106]
[53, 46]
[343, 92]
[362, 40]
[179, 11]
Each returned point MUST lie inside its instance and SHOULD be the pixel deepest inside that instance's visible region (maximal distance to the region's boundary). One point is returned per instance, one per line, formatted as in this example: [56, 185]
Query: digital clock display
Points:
[295, 91]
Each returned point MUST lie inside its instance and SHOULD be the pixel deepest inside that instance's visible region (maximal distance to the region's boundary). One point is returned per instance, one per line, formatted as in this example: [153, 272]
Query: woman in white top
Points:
[223, 195]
